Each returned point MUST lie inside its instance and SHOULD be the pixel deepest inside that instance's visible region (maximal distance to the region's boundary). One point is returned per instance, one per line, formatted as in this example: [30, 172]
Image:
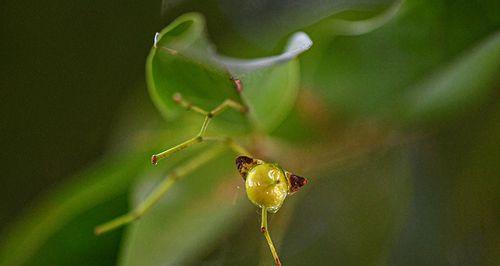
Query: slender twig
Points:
[265, 231]
[180, 172]
[228, 103]
[160, 191]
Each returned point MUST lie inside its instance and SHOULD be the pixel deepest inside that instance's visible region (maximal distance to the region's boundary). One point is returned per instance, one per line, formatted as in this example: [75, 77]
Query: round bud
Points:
[266, 186]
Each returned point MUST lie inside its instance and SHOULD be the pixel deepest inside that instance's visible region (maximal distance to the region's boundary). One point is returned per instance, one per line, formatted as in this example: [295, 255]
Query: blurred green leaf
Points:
[288, 129]
[271, 94]
[66, 215]
[369, 75]
[266, 22]
[60, 227]
[466, 82]
[358, 26]
[74, 243]
[198, 211]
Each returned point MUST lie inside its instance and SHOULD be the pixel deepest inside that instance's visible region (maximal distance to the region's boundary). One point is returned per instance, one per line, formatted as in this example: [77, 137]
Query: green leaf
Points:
[182, 60]
[271, 94]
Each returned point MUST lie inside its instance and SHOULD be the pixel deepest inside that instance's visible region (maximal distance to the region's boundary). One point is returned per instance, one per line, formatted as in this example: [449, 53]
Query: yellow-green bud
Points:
[267, 186]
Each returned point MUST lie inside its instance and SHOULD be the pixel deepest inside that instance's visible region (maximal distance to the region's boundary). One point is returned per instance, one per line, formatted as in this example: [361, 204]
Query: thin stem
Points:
[155, 158]
[195, 163]
[265, 231]
[159, 191]
[179, 100]
[228, 103]
[263, 222]
[200, 137]
[204, 126]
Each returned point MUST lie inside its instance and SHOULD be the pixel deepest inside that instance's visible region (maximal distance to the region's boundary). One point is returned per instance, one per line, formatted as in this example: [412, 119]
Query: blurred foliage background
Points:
[396, 121]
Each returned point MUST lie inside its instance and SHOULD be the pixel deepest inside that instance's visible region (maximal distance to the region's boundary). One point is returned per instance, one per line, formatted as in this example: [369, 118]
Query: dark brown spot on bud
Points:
[154, 159]
[296, 182]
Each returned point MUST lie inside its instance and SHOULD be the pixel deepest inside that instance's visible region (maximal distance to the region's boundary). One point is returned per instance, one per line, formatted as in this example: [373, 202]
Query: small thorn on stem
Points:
[154, 159]
[262, 229]
[238, 84]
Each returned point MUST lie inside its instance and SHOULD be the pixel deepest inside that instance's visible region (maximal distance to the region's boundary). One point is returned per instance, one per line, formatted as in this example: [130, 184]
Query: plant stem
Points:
[175, 149]
[200, 137]
[159, 191]
[265, 231]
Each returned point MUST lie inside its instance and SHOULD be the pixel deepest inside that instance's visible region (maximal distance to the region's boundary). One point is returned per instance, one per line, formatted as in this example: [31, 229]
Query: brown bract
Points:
[244, 164]
[296, 182]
